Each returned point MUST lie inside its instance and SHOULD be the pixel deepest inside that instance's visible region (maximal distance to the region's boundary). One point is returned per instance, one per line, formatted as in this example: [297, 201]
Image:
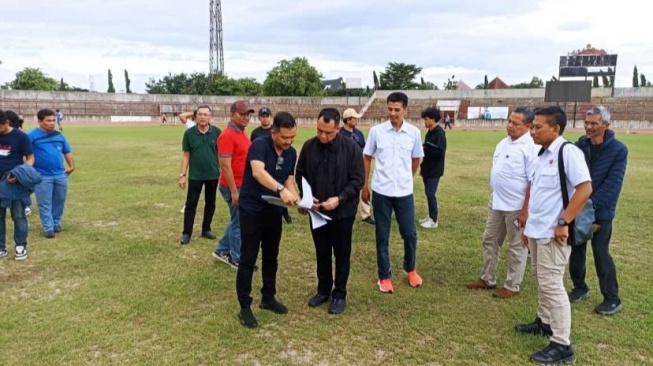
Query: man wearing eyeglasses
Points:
[269, 170]
[233, 144]
[200, 162]
[333, 166]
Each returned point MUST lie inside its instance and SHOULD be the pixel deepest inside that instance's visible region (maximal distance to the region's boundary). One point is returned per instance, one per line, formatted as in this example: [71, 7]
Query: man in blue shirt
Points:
[59, 117]
[49, 146]
[15, 149]
[349, 130]
[269, 170]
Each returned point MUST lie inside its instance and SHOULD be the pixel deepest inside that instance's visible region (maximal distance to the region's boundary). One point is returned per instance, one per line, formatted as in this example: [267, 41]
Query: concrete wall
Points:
[630, 107]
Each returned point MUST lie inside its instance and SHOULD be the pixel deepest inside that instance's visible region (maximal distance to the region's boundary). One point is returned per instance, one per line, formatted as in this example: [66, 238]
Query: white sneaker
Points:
[424, 220]
[183, 209]
[21, 253]
[28, 211]
[429, 224]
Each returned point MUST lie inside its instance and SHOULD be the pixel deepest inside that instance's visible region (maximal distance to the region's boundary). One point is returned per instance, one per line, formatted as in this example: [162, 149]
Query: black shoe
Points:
[554, 353]
[185, 239]
[609, 307]
[337, 306]
[49, 234]
[578, 295]
[247, 318]
[369, 220]
[274, 306]
[57, 229]
[535, 328]
[287, 218]
[208, 234]
[318, 300]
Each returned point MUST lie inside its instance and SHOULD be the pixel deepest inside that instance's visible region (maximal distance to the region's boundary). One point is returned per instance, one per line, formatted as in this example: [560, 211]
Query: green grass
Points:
[116, 287]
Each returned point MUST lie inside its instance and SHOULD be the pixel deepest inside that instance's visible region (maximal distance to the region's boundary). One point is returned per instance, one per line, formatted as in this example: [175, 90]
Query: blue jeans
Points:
[230, 242]
[431, 188]
[51, 199]
[20, 224]
[404, 208]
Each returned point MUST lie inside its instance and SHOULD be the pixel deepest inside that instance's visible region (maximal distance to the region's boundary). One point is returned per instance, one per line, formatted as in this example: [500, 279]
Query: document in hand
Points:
[318, 219]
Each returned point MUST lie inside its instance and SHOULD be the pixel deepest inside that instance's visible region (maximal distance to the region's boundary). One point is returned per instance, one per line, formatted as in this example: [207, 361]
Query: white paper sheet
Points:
[318, 219]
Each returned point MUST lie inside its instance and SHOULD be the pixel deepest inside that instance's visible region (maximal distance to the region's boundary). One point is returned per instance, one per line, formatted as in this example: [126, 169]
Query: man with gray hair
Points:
[606, 158]
[508, 206]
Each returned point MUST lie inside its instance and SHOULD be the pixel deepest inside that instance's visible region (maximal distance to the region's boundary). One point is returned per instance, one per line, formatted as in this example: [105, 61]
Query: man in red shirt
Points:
[233, 145]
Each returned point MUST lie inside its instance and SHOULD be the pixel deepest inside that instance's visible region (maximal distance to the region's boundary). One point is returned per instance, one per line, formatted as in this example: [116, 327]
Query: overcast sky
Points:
[80, 40]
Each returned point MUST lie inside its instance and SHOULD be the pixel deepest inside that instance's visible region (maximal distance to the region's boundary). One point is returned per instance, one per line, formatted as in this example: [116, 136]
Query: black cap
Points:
[265, 110]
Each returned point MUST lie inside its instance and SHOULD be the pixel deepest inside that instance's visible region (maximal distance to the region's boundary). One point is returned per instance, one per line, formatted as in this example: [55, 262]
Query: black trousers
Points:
[193, 197]
[258, 231]
[334, 238]
[605, 268]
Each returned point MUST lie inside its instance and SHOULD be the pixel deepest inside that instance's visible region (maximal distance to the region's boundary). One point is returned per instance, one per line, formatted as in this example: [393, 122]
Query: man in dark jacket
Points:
[432, 166]
[606, 158]
[15, 149]
[333, 166]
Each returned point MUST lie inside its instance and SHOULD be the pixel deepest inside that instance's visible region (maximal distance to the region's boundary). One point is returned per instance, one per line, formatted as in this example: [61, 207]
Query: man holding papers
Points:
[332, 166]
[268, 171]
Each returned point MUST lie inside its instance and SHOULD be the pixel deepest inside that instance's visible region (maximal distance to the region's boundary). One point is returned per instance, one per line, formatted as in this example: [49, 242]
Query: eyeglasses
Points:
[279, 164]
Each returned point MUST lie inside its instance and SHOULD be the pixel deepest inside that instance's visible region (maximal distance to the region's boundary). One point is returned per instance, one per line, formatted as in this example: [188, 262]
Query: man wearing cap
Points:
[200, 162]
[264, 116]
[349, 130]
[233, 144]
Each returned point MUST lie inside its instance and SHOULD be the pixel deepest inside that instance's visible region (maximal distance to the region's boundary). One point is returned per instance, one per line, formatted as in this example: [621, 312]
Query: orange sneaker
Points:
[414, 278]
[385, 286]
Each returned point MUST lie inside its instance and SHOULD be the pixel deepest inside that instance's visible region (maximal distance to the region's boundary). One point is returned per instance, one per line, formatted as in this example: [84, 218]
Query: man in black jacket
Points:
[333, 166]
[432, 166]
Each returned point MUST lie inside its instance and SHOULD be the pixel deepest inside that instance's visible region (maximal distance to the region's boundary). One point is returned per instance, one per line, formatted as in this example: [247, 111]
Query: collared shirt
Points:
[203, 149]
[394, 151]
[234, 143]
[545, 205]
[355, 135]
[512, 166]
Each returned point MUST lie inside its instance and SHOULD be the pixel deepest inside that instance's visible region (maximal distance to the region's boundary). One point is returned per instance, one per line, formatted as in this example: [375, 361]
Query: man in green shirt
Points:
[201, 154]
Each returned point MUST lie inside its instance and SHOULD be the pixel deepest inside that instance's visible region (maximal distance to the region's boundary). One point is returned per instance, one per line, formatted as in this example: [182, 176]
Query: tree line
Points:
[294, 77]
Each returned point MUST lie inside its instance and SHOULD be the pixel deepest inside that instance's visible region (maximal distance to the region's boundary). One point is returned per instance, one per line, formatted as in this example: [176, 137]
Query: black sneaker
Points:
[578, 295]
[535, 328]
[318, 300]
[286, 217]
[609, 307]
[57, 229]
[337, 306]
[247, 318]
[274, 306]
[369, 220]
[554, 353]
[49, 234]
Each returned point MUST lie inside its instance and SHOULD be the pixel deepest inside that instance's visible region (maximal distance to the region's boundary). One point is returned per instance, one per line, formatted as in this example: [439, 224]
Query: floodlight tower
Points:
[216, 55]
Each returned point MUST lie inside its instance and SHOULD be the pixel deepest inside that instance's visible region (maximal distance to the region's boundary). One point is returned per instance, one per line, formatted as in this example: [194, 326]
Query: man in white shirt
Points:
[397, 147]
[547, 231]
[188, 119]
[508, 206]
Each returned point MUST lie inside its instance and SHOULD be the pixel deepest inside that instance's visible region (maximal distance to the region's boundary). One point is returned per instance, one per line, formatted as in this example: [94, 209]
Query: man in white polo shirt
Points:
[397, 146]
[547, 232]
[508, 206]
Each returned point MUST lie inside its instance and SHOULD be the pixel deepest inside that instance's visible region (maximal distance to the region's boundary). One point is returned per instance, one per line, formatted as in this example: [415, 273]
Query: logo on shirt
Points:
[5, 150]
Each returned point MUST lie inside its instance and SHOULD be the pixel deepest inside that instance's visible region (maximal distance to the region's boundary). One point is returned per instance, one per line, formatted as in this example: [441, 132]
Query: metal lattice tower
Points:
[216, 53]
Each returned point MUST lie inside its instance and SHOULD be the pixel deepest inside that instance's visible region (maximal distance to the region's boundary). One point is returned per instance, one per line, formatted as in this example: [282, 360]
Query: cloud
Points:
[81, 40]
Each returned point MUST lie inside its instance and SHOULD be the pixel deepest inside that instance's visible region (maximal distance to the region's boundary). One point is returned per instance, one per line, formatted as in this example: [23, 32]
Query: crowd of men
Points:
[347, 174]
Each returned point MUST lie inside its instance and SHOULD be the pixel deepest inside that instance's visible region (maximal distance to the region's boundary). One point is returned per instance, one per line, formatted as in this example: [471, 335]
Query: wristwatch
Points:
[182, 175]
[562, 222]
[280, 188]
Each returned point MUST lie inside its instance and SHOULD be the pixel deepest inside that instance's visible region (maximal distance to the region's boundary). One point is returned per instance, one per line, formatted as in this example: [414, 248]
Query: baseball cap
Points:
[350, 112]
[265, 110]
[241, 107]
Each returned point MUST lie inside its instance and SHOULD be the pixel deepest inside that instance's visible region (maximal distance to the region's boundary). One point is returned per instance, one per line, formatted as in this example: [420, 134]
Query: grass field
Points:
[115, 287]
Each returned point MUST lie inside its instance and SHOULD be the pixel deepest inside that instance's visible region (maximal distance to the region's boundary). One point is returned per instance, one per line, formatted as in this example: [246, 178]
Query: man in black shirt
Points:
[264, 116]
[332, 164]
[268, 171]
